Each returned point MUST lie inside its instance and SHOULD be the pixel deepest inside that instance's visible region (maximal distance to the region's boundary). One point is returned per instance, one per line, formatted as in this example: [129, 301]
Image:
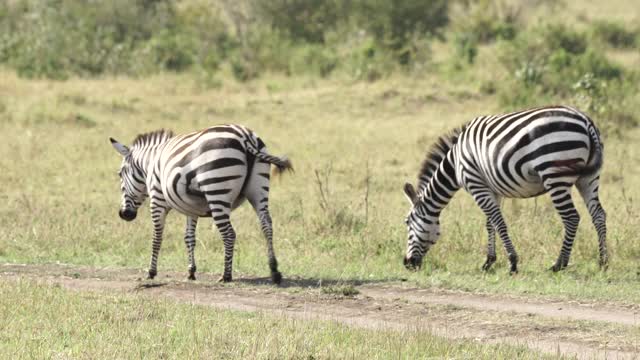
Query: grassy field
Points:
[40, 321]
[360, 141]
[338, 219]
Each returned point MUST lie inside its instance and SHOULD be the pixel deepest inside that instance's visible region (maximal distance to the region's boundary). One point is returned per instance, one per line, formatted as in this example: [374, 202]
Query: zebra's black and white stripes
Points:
[203, 174]
[518, 155]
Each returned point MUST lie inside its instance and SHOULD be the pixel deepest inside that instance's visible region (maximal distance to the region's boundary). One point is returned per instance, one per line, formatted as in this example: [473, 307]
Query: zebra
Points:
[207, 173]
[520, 154]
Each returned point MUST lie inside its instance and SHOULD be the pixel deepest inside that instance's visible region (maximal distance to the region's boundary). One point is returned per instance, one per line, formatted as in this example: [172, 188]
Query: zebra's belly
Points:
[515, 187]
[190, 205]
[523, 190]
[193, 200]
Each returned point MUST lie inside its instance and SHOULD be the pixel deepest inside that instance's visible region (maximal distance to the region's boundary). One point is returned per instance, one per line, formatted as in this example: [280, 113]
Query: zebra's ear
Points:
[121, 149]
[410, 192]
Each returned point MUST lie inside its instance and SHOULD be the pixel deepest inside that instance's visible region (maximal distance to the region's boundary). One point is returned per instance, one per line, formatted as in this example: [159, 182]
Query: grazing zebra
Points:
[202, 174]
[517, 155]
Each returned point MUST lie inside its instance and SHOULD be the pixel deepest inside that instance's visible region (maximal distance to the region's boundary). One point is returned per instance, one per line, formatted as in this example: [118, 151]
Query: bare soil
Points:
[584, 330]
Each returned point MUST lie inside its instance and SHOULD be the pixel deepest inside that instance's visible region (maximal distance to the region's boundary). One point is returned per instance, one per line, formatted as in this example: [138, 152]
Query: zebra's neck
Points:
[143, 158]
[441, 187]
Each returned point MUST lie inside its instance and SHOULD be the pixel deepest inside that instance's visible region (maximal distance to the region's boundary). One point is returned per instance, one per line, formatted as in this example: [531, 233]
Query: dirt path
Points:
[583, 330]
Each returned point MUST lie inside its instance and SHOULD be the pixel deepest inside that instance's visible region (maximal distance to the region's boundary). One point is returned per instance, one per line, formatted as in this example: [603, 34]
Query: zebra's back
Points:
[513, 154]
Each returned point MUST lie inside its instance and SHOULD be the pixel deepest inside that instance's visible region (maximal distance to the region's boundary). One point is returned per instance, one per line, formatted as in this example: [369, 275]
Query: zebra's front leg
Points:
[491, 246]
[561, 197]
[229, 239]
[190, 242]
[491, 207]
[158, 216]
[267, 230]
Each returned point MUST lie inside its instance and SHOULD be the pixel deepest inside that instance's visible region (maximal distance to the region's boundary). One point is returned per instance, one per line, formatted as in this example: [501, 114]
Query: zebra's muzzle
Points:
[413, 263]
[127, 214]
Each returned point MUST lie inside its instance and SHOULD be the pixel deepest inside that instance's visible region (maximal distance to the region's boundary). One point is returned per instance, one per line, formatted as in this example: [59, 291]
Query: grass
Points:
[362, 141]
[40, 321]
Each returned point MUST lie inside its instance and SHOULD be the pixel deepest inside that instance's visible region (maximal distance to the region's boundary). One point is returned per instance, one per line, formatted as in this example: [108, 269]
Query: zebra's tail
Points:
[282, 164]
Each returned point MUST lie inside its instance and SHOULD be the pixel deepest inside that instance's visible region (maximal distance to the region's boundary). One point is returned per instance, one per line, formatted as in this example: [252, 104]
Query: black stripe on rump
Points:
[536, 133]
[550, 149]
[209, 145]
[216, 180]
[213, 165]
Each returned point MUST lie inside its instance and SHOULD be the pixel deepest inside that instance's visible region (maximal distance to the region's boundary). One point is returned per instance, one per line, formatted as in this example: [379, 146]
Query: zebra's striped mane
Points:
[436, 153]
[152, 138]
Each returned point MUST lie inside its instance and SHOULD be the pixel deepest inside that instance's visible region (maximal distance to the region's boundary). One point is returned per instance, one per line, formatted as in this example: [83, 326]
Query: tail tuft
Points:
[282, 164]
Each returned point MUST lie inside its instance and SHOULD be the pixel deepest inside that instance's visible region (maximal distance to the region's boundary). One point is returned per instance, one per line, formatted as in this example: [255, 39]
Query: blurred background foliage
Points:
[532, 61]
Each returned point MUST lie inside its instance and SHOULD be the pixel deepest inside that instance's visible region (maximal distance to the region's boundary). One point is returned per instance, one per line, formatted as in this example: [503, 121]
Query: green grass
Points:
[40, 321]
[60, 190]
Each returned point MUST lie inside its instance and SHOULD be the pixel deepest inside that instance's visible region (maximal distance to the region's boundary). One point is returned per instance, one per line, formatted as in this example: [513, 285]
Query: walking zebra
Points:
[518, 155]
[202, 174]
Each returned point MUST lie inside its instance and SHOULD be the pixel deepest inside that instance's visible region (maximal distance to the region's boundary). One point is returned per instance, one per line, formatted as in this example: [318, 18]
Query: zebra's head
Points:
[423, 230]
[132, 183]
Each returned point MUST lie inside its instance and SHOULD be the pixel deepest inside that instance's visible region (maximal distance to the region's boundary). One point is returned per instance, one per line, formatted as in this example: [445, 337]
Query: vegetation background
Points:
[354, 91]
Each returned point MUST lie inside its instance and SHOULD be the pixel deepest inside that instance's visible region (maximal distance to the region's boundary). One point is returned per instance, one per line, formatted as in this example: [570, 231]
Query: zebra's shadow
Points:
[315, 283]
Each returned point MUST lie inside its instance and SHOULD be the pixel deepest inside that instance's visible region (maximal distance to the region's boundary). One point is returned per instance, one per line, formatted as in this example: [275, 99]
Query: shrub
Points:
[302, 20]
[466, 46]
[487, 20]
[614, 34]
[313, 59]
[58, 38]
[555, 64]
[393, 23]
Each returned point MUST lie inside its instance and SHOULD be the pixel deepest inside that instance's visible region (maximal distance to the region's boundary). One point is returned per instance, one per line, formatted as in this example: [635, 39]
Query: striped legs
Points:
[190, 242]
[491, 246]
[491, 208]
[158, 215]
[588, 188]
[267, 230]
[561, 198]
[229, 239]
[257, 193]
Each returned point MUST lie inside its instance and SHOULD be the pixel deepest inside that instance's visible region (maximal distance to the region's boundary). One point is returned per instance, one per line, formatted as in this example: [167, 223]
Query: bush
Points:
[614, 34]
[487, 20]
[301, 20]
[555, 64]
[59, 38]
[466, 47]
[393, 23]
[313, 59]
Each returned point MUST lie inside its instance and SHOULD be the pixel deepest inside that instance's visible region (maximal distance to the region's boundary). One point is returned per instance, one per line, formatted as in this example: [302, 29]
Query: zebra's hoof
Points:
[225, 279]
[604, 265]
[276, 277]
[152, 274]
[557, 267]
[513, 272]
[191, 277]
[490, 260]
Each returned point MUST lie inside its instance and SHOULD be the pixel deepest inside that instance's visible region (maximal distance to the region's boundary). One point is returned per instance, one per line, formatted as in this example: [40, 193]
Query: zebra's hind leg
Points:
[491, 246]
[561, 198]
[267, 230]
[489, 204]
[588, 188]
[190, 242]
[257, 193]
